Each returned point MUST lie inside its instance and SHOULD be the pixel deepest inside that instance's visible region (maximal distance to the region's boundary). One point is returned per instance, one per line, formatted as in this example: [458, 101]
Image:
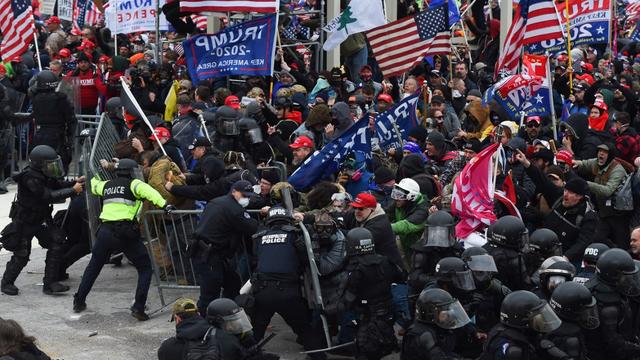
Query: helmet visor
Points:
[525, 242]
[398, 194]
[237, 323]
[544, 320]
[53, 168]
[555, 280]
[254, 135]
[230, 127]
[588, 317]
[629, 283]
[463, 280]
[484, 263]
[439, 236]
[451, 316]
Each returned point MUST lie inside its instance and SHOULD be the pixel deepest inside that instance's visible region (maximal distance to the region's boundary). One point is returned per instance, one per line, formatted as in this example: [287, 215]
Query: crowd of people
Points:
[554, 277]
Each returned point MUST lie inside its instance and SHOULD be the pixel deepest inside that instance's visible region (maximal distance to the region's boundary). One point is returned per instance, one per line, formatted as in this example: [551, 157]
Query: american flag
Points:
[399, 45]
[17, 27]
[261, 6]
[633, 11]
[200, 21]
[533, 21]
[85, 12]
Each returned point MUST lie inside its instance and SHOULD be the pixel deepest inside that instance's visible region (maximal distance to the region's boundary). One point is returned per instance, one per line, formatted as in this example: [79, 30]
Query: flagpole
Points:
[35, 40]
[128, 93]
[554, 121]
[570, 65]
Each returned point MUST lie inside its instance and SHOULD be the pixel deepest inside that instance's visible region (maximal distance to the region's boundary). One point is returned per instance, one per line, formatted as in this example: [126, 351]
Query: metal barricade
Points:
[84, 122]
[106, 137]
[21, 143]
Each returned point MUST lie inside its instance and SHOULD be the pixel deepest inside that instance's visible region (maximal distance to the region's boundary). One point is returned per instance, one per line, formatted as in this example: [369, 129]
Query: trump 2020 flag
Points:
[243, 49]
[405, 118]
[328, 160]
[540, 103]
[473, 193]
[514, 92]
[359, 16]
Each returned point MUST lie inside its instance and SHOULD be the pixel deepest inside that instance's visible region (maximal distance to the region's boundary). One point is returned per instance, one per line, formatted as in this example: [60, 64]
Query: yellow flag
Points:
[170, 103]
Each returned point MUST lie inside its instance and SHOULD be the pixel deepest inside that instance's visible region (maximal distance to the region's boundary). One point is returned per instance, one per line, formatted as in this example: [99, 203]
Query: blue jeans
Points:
[400, 304]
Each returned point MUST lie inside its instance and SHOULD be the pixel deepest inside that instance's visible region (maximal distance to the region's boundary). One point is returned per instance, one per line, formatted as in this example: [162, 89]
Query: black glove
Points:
[169, 209]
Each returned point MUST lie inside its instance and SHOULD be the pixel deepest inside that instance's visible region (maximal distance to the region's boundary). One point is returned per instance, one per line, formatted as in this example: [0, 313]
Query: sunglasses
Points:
[533, 124]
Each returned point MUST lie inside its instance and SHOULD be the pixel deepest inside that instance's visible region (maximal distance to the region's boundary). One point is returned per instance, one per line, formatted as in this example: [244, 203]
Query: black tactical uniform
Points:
[543, 243]
[507, 240]
[227, 137]
[430, 336]
[552, 276]
[54, 116]
[39, 186]
[367, 292]
[616, 289]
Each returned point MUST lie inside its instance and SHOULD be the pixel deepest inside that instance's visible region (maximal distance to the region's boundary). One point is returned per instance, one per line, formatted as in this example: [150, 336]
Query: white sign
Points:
[128, 16]
[65, 9]
[47, 6]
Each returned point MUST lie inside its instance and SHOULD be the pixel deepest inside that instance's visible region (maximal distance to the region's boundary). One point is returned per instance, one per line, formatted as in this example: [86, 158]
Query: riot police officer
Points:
[367, 292]
[589, 260]
[438, 241]
[281, 256]
[431, 336]
[227, 129]
[507, 241]
[576, 307]
[552, 276]
[119, 231]
[54, 116]
[616, 288]
[543, 243]
[39, 186]
[523, 316]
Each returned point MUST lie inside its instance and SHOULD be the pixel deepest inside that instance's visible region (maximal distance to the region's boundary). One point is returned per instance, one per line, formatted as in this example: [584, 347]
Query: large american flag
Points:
[200, 21]
[533, 21]
[399, 45]
[17, 26]
[85, 12]
[633, 11]
[261, 6]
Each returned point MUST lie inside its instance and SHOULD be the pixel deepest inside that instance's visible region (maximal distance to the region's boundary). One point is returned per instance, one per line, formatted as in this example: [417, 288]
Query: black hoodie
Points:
[585, 146]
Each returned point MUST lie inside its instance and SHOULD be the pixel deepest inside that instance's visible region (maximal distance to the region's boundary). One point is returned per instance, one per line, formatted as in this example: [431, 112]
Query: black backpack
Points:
[205, 349]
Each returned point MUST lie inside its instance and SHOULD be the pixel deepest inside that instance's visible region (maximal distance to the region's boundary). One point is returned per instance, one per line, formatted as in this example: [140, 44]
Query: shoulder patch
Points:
[246, 215]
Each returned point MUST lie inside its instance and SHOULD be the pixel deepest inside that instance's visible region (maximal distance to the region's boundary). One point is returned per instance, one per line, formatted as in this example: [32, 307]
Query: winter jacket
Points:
[342, 119]
[575, 227]
[209, 185]
[91, 87]
[627, 144]
[157, 179]
[408, 222]
[604, 184]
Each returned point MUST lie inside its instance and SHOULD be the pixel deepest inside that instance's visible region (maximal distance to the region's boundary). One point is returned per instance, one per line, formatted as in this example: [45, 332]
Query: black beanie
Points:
[383, 175]
[577, 185]
[419, 133]
[436, 139]
[271, 176]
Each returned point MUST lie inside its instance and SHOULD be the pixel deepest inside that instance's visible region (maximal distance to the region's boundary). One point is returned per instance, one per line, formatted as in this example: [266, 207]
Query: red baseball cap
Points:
[87, 44]
[161, 133]
[302, 141]
[364, 200]
[386, 98]
[565, 156]
[52, 20]
[232, 101]
[64, 52]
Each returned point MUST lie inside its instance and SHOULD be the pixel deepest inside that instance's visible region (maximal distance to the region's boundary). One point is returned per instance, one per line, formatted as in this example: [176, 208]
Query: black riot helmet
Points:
[46, 80]
[509, 231]
[113, 107]
[227, 121]
[278, 215]
[481, 264]
[592, 253]
[225, 314]
[525, 310]
[556, 274]
[455, 271]
[45, 159]
[360, 242]
[616, 268]
[126, 168]
[251, 131]
[545, 242]
[439, 230]
[573, 302]
[438, 307]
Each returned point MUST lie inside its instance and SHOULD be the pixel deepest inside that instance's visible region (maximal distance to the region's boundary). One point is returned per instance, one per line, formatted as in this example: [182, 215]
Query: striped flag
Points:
[261, 6]
[399, 45]
[85, 12]
[17, 27]
[533, 21]
[200, 21]
[633, 11]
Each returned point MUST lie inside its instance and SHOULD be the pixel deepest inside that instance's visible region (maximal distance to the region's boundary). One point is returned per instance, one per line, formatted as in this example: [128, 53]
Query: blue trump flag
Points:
[405, 117]
[328, 160]
[454, 12]
[514, 93]
[243, 49]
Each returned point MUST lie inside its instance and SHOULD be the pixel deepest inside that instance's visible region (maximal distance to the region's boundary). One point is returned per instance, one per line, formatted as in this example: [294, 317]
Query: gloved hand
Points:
[169, 209]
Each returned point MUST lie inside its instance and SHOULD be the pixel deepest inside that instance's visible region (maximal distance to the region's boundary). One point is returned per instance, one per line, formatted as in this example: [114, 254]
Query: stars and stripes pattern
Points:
[633, 11]
[17, 26]
[200, 21]
[399, 45]
[85, 12]
[261, 6]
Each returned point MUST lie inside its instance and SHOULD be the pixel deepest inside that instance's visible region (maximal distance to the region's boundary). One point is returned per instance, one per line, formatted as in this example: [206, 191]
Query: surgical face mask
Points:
[244, 202]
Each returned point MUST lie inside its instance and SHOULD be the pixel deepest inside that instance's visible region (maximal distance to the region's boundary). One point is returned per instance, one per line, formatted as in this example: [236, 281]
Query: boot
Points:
[55, 288]
[14, 267]
[9, 289]
[78, 306]
[140, 315]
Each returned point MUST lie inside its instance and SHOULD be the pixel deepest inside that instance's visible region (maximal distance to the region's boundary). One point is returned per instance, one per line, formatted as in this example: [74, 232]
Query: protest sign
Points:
[65, 9]
[128, 16]
[47, 7]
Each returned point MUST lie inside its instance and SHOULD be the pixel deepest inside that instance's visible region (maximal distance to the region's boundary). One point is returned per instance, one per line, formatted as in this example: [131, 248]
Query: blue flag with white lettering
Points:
[243, 49]
[454, 12]
[405, 117]
[327, 161]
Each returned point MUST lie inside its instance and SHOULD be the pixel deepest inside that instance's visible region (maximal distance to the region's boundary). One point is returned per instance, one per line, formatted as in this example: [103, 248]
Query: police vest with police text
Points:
[276, 252]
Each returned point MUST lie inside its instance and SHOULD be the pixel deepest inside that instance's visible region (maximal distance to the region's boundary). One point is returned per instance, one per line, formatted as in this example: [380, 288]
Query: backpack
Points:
[206, 349]
[622, 198]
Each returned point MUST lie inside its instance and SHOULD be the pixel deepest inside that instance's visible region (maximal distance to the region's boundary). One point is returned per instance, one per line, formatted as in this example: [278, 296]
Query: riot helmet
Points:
[573, 302]
[439, 230]
[360, 242]
[251, 130]
[556, 274]
[46, 80]
[45, 159]
[455, 271]
[278, 214]
[592, 254]
[545, 243]
[525, 310]
[616, 268]
[438, 307]
[481, 264]
[113, 107]
[509, 231]
[227, 121]
[126, 168]
[225, 314]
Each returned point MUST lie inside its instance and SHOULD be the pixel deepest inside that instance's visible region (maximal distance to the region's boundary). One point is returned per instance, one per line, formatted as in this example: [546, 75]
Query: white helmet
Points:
[406, 189]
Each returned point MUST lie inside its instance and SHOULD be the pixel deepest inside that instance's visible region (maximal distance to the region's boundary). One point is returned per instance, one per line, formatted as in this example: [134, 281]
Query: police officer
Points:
[227, 129]
[281, 255]
[39, 186]
[119, 231]
[367, 292]
[589, 260]
[617, 290]
[55, 120]
[523, 317]
[552, 276]
[574, 304]
[507, 241]
[431, 336]
[438, 241]
[543, 243]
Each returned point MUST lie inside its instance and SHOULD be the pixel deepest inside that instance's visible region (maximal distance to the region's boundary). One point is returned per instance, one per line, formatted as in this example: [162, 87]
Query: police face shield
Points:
[588, 318]
[237, 323]
[229, 127]
[482, 263]
[53, 168]
[554, 281]
[544, 319]
[463, 280]
[451, 316]
[438, 236]
[254, 136]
